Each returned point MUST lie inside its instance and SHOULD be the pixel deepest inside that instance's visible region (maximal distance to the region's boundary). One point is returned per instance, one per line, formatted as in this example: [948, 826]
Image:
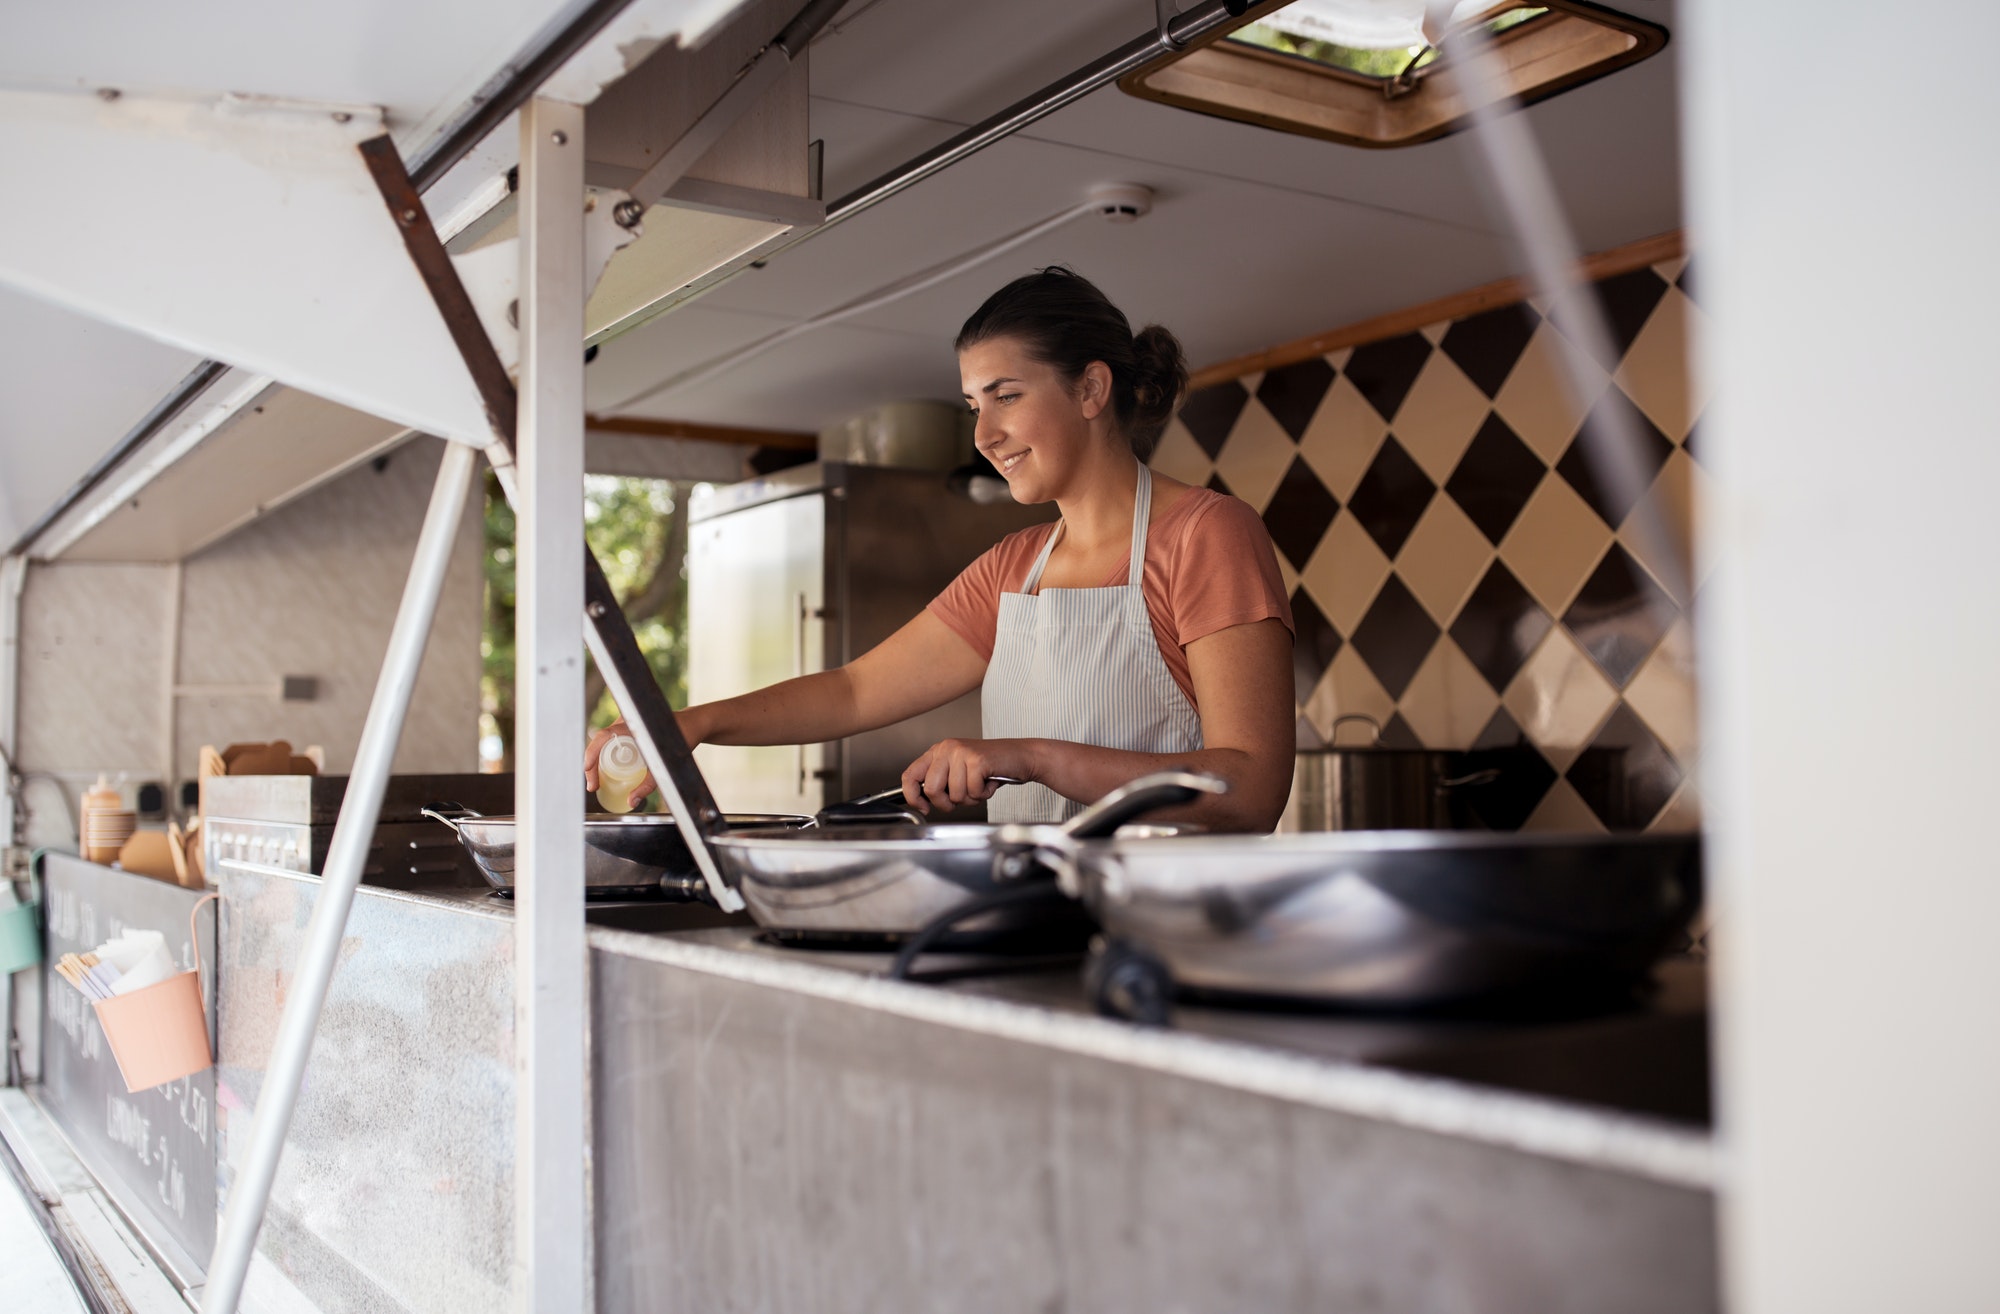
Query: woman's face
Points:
[1036, 426]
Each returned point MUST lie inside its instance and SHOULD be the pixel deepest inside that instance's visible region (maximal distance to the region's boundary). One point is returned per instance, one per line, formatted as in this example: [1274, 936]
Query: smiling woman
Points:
[1147, 628]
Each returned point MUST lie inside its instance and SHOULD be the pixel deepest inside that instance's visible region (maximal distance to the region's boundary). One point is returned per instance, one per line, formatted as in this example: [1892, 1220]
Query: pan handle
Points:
[1129, 802]
[450, 813]
[1333, 731]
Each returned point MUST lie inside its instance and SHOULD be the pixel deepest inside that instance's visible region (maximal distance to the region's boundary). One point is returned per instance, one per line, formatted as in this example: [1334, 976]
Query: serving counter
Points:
[775, 1129]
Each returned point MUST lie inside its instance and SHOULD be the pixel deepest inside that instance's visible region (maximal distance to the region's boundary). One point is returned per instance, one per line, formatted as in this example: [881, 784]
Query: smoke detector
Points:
[1121, 203]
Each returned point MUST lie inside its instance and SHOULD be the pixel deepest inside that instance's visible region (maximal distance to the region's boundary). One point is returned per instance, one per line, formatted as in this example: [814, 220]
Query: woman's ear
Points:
[1094, 389]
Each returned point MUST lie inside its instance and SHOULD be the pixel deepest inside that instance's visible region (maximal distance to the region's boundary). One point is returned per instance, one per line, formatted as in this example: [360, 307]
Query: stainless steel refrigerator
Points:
[805, 570]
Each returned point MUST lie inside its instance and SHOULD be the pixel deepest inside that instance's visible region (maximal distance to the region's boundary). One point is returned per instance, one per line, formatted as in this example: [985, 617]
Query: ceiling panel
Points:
[70, 388]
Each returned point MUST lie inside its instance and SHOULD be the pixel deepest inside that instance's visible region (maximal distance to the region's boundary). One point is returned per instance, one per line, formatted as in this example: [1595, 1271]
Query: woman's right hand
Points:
[596, 745]
[693, 728]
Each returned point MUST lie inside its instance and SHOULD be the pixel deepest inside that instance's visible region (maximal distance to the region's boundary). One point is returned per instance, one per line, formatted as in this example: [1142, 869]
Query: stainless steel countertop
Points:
[1624, 1090]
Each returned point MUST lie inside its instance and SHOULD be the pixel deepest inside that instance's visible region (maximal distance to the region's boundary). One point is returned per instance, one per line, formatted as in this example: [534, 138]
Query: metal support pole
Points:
[348, 850]
[551, 1207]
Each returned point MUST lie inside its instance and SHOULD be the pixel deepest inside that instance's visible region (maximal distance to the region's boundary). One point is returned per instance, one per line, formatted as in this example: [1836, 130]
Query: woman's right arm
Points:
[919, 667]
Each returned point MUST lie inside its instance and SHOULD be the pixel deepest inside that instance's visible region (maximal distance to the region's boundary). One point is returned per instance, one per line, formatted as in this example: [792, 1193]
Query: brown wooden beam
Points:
[787, 439]
[1618, 260]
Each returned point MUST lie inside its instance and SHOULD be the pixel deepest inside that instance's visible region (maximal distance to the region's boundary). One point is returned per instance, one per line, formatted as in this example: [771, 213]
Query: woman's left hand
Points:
[954, 772]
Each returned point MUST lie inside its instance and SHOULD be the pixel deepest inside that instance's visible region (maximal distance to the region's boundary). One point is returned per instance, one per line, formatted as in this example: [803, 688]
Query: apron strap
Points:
[1142, 510]
[1041, 562]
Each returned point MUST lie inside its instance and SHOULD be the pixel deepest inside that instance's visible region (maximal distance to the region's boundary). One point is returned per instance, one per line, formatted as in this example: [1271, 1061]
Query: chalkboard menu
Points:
[154, 1150]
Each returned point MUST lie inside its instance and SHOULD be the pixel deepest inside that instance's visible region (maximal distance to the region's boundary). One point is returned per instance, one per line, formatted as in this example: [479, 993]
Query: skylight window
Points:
[1366, 72]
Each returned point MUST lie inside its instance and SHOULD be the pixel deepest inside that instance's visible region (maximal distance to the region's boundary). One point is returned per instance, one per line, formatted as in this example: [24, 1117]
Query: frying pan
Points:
[1381, 918]
[891, 880]
[633, 853]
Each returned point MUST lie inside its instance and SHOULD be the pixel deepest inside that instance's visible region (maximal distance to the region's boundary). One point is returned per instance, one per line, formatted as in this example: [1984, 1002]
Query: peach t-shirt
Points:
[1209, 565]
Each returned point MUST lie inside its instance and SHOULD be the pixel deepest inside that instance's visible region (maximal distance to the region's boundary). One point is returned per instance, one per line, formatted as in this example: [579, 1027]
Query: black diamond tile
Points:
[1502, 731]
[1511, 797]
[1216, 485]
[1687, 443]
[1487, 345]
[1626, 775]
[1395, 636]
[1499, 626]
[1210, 413]
[1686, 281]
[1299, 512]
[1627, 300]
[1383, 371]
[1391, 497]
[1654, 448]
[1291, 393]
[1495, 478]
[1398, 733]
[1314, 645]
[1620, 616]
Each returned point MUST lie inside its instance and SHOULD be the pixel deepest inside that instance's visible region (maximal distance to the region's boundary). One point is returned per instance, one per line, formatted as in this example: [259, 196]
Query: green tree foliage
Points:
[638, 529]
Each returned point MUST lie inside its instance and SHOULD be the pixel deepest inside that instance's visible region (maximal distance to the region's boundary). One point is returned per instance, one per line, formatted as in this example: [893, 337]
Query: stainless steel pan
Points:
[1380, 918]
[637, 852]
[891, 880]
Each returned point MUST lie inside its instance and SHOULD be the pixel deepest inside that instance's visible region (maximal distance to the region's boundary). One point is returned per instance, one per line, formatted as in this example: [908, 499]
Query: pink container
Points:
[159, 1033]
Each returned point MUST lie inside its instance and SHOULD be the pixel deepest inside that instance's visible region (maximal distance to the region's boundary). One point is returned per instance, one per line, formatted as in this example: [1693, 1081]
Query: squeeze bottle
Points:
[620, 768]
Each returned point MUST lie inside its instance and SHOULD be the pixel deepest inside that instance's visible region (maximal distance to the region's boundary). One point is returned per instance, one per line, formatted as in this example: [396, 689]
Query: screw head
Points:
[628, 213]
[109, 93]
[594, 610]
[408, 217]
[342, 116]
[559, 137]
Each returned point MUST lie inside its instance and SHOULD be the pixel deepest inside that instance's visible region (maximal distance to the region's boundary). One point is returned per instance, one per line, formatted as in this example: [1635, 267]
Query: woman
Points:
[1147, 628]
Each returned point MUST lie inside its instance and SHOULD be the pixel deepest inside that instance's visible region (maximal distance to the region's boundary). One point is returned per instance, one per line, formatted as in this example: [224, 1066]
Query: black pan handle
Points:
[1129, 802]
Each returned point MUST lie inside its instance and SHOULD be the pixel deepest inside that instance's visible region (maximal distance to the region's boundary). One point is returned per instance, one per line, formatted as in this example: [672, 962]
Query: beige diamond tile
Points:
[1535, 401]
[1670, 269]
[1669, 507]
[1256, 456]
[1448, 702]
[1445, 557]
[1563, 810]
[1655, 372]
[1437, 420]
[1663, 694]
[1338, 359]
[1559, 698]
[1342, 439]
[1555, 544]
[1434, 333]
[1180, 457]
[1348, 687]
[1345, 572]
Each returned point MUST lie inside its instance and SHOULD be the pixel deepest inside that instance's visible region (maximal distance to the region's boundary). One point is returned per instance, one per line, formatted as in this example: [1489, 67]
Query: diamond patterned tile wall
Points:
[1462, 575]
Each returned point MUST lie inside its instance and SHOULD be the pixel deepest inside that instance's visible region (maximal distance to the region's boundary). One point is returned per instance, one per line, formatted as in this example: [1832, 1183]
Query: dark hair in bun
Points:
[1064, 321]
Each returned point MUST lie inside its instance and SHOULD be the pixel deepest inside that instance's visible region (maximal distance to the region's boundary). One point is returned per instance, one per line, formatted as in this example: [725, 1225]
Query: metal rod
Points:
[509, 89]
[277, 1098]
[551, 1212]
[1128, 58]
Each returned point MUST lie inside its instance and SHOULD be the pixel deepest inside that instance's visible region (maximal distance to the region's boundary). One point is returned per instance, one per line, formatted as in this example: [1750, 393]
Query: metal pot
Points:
[1375, 788]
[635, 853]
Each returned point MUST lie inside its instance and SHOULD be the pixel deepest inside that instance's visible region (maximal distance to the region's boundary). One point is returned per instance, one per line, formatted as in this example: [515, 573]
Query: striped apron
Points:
[1082, 665]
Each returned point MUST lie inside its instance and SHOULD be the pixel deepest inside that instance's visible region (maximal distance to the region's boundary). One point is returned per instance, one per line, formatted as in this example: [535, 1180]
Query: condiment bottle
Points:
[620, 768]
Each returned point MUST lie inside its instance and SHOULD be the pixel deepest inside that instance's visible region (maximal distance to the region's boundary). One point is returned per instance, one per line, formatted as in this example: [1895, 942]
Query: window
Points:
[1362, 72]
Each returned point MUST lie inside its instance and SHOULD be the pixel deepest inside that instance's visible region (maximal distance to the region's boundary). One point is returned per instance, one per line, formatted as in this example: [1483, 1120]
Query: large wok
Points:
[1379, 918]
[889, 881]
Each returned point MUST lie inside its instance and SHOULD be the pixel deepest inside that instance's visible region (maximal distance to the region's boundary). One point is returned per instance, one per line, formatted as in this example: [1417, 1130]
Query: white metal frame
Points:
[551, 1210]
